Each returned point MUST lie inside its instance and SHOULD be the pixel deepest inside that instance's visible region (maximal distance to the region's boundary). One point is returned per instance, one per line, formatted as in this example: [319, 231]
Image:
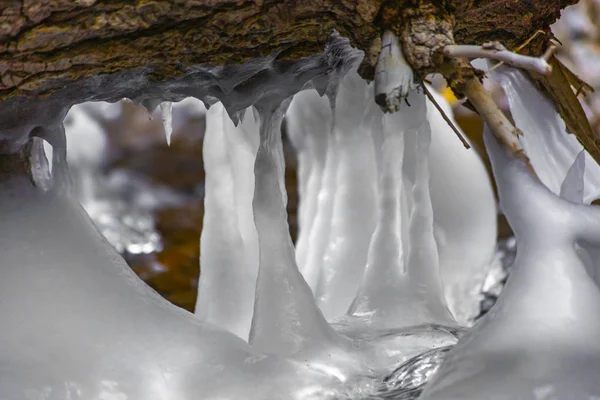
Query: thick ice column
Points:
[403, 288]
[227, 271]
[464, 212]
[354, 208]
[550, 148]
[242, 145]
[309, 123]
[286, 319]
[166, 115]
[541, 338]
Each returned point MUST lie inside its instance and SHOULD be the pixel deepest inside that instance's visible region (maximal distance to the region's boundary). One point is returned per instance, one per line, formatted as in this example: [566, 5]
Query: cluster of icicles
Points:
[368, 304]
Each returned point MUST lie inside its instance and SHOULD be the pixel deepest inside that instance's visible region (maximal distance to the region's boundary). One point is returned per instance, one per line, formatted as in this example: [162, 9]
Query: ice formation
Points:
[402, 285]
[464, 208]
[228, 245]
[166, 115]
[87, 145]
[354, 208]
[78, 323]
[309, 123]
[539, 340]
[551, 149]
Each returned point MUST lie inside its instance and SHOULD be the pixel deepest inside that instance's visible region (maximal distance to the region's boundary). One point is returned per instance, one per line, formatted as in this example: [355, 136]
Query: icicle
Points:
[308, 126]
[166, 115]
[540, 339]
[87, 146]
[286, 319]
[464, 212]
[354, 208]
[228, 274]
[549, 147]
[400, 288]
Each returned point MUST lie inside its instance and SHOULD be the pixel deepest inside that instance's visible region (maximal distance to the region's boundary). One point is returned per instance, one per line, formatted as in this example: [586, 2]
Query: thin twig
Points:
[446, 118]
[520, 47]
[496, 51]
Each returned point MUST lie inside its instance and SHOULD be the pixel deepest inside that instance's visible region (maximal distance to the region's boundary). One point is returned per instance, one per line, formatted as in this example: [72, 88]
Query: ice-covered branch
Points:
[393, 75]
[496, 51]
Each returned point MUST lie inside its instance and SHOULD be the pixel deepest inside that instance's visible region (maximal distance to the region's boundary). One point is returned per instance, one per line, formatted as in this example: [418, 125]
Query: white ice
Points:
[550, 148]
[402, 285]
[166, 115]
[286, 318]
[354, 211]
[228, 244]
[464, 213]
[87, 148]
[461, 194]
[79, 324]
[540, 341]
[309, 128]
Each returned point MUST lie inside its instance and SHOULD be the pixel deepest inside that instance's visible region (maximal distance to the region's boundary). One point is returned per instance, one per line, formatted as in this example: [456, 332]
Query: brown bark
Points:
[55, 53]
[45, 44]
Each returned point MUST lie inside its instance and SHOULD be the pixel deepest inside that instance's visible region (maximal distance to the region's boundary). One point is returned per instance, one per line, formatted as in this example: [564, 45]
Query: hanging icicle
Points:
[228, 253]
[166, 115]
[309, 122]
[354, 203]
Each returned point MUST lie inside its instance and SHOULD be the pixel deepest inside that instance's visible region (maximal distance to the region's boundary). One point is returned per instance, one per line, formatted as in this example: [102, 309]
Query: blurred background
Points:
[146, 197]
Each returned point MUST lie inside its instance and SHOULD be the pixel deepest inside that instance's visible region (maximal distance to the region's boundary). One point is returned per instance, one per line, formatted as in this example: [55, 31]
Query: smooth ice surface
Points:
[550, 148]
[354, 212]
[79, 324]
[403, 288]
[228, 244]
[286, 318]
[463, 201]
[87, 147]
[540, 339]
[464, 213]
[309, 127]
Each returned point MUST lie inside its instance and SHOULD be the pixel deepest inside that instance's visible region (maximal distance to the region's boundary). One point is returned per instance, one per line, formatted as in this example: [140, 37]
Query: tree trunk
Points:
[56, 53]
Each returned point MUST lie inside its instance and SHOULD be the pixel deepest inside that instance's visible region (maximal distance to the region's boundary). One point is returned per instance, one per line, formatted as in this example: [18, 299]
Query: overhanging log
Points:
[55, 53]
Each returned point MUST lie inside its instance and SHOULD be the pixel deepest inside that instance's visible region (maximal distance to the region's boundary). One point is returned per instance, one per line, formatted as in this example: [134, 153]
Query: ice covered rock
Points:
[79, 324]
[540, 339]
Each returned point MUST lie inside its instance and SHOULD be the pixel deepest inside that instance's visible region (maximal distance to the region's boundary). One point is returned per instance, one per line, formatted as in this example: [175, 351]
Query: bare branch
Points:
[448, 120]
[496, 51]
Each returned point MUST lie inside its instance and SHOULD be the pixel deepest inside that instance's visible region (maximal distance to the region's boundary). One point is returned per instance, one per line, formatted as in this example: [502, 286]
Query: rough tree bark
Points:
[55, 53]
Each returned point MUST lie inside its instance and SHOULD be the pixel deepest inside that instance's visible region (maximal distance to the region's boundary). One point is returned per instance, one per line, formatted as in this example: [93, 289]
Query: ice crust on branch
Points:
[540, 339]
[550, 148]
